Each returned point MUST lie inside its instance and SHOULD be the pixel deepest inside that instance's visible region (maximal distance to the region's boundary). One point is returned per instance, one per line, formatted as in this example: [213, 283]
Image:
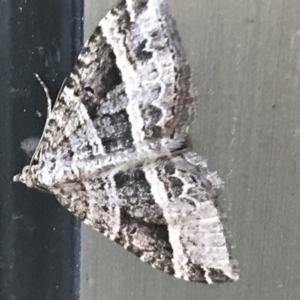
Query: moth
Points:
[114, 152]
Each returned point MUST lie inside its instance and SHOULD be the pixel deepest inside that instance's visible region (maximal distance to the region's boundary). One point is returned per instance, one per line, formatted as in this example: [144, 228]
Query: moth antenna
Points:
[49, 108]
[47, 94]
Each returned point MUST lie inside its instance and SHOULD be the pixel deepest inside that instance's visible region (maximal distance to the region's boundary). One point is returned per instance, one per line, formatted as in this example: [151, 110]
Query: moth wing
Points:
[132, 220]
[127, 98]
[187, 193]
[164, 212]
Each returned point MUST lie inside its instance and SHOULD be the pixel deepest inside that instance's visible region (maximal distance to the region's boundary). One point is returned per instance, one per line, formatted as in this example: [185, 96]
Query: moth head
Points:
[25, 177]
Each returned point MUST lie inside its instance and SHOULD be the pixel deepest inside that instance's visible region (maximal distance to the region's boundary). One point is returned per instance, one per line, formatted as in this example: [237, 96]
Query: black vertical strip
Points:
[39, 240]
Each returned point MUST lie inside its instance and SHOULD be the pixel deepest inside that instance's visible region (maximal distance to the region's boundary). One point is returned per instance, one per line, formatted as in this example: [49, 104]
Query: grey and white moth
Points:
[113, 149]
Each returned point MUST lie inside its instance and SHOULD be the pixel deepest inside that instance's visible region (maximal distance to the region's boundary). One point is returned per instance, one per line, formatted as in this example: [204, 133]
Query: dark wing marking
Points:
[164, 212]
[127, 98]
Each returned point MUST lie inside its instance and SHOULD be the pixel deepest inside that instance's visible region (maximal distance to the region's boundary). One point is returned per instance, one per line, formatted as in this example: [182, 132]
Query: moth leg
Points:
[61, 89]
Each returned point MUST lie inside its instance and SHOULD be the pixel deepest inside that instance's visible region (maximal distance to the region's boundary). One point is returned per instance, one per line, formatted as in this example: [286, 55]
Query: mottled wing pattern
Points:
[186, 191]
[128, 96]
[113, 147]
[163, 212]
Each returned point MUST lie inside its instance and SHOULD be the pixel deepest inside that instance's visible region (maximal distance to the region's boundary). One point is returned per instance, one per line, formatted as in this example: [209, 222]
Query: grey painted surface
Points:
[246, 61]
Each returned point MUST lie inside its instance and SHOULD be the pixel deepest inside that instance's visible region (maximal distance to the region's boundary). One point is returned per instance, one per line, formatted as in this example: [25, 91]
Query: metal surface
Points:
[245, 56]
[39, 239]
